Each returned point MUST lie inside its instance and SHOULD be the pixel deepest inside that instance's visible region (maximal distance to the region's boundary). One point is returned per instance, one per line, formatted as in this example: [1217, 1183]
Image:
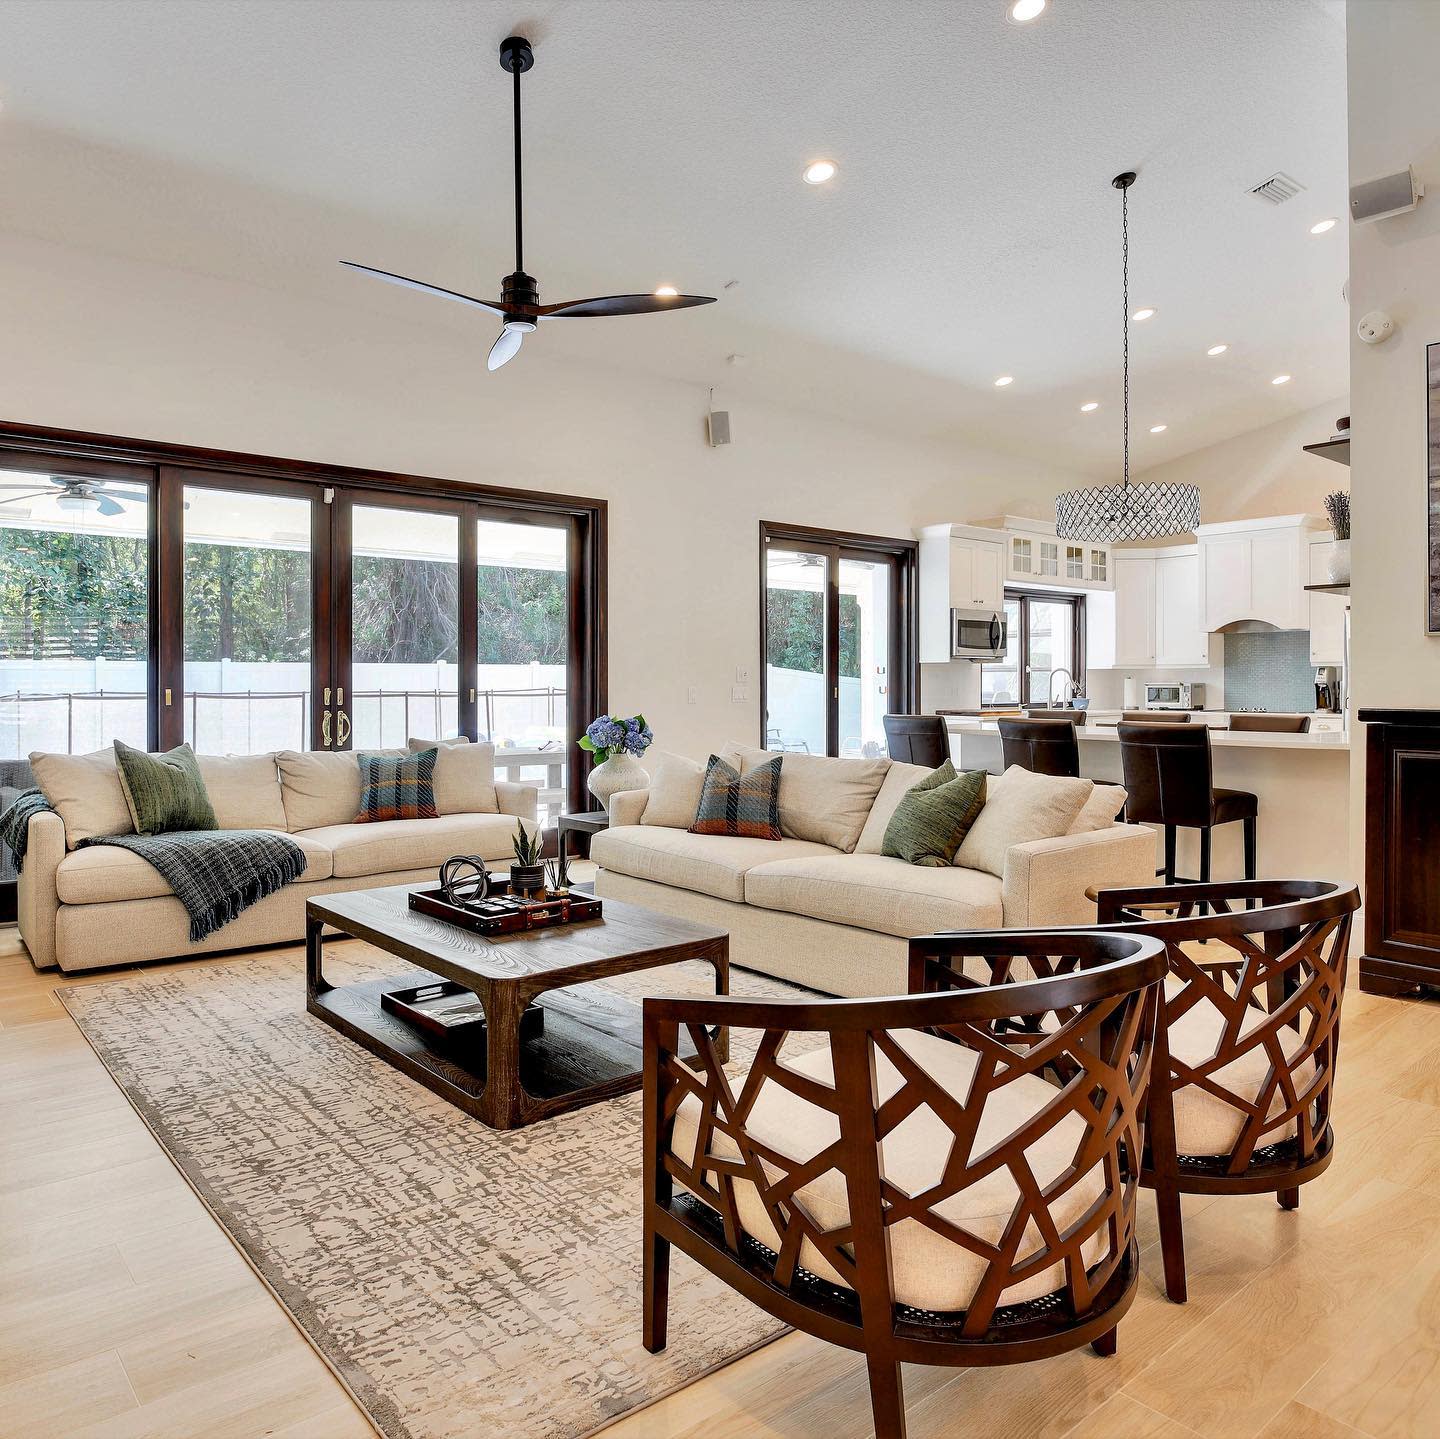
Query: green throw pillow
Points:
[934, 816]
[164, 791]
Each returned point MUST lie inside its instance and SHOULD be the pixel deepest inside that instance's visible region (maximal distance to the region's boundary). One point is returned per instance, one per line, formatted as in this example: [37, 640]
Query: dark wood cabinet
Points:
[1402, 851]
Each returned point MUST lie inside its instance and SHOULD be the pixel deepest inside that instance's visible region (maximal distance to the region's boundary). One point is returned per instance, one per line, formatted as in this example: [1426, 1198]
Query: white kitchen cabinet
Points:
[1327, 612]
[962, 567]
[1180, 639]
[1120, 623]
[1255, 570]
[977, 575]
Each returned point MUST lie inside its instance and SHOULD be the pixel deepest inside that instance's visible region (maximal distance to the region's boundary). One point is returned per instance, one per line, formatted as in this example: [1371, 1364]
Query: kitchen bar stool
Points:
[1169, 782]
[1156, 717]
[917, 739]
[1271, 724]
[1046, 746]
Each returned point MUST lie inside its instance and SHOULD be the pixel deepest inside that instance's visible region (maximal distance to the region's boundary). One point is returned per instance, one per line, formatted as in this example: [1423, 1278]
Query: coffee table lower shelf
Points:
[590, 1049]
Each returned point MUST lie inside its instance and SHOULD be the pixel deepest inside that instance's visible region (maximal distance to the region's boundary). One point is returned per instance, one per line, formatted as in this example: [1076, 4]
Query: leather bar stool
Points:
[917, 739]
[1156, 717]
[1046, 746]
[1271, 724]
[1169, 782]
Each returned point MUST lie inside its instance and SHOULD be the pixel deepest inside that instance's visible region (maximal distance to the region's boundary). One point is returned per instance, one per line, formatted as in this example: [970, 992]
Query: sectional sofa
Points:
[823, 907]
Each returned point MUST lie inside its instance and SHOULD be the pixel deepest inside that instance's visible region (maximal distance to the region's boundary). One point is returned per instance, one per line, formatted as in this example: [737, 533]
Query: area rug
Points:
[459, 1281]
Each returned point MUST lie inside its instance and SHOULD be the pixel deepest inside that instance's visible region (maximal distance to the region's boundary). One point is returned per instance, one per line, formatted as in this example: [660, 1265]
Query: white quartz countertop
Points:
[1334, 740]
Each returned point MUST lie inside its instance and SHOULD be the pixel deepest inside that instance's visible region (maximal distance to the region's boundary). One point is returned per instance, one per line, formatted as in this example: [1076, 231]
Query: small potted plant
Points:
[527, 874]
[617, 744]
[1337, 506]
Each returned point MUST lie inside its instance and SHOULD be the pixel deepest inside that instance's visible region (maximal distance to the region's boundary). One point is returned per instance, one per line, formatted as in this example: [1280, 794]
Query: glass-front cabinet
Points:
[1035, 557]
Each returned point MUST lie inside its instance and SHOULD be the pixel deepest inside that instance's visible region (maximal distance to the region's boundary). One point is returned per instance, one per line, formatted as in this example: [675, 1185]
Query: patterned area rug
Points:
[458, 1280]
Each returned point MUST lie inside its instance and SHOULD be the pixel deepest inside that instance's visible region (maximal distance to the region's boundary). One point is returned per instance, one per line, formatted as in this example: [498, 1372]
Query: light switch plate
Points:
[739, 694]
[692, 695]
[742, 674]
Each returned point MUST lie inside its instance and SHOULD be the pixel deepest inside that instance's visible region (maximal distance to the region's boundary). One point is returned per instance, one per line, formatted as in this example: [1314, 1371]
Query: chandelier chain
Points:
[1125, 311]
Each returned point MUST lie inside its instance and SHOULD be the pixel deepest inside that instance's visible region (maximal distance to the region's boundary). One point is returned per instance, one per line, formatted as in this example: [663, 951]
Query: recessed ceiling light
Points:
[1217, 349]
[1088, 406]
[1003, 381]
[1320, 226]
[1143, 314]
[1158, 429]
[817, 172]
[1281, 380]
[665, 292]
[1022, 12]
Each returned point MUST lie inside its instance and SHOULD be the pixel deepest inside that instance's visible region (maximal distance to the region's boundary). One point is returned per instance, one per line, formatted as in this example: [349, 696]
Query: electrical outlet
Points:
[692, 695]
[742, 674]
[739, 695]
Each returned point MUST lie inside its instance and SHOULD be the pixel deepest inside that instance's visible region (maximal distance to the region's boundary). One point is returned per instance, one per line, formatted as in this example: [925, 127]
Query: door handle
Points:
[343, 729]
[325, 729]
[995, 634]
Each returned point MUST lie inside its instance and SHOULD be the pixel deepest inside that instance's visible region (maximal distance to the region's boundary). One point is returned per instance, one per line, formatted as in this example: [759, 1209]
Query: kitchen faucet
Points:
[1050, 696]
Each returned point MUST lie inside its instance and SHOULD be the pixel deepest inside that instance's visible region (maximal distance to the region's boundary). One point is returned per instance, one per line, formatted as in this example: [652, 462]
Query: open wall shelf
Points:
[1337, 450]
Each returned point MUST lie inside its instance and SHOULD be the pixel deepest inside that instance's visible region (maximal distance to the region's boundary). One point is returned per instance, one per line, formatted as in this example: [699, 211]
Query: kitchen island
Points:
[1302, 782]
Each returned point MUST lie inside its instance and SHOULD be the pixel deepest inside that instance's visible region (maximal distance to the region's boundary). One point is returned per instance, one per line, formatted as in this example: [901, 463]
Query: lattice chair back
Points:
[949, 1177]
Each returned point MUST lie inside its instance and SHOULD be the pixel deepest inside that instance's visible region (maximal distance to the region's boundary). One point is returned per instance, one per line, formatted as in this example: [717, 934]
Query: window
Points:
[838, 640]
[1042, 646]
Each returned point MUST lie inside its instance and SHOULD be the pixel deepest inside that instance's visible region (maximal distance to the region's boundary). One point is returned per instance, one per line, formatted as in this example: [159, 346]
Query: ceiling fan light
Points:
[666, 292]
[76, 501]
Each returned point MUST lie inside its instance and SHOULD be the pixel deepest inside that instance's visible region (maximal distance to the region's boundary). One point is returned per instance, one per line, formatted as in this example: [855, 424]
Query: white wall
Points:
[99, 342]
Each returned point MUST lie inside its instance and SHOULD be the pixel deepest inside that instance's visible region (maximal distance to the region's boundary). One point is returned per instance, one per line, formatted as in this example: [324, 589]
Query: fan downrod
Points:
[516, 56]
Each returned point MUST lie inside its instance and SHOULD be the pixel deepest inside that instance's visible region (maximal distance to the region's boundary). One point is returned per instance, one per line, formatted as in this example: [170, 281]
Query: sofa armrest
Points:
[1045, 880]
[627, 806]
[36, 902]
[521, 800]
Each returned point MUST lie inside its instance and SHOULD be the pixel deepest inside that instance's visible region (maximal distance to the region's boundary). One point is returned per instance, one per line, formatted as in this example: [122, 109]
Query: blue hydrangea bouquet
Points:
[609, 735]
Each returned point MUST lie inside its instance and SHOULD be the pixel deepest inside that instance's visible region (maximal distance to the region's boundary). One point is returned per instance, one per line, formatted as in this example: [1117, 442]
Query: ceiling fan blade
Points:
[107, 506]
[27, 495]
[506, 347]
[623, 305]
[492, 306]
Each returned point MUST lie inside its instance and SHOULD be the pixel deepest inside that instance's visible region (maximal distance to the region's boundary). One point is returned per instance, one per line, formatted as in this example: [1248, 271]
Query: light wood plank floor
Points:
[125, 1312]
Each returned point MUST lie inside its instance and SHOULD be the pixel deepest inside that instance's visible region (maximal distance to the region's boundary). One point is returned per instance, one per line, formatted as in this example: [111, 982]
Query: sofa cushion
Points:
[707, 863]
[321, 787]
[85, 791]
[899, 778]
[1021, 806]
[395, 844]
[674, 796]
[873, 891]
[1100, 809]
[102, 873]
[244, 790]
[930, 1270]
[822, 799]
[464, 778]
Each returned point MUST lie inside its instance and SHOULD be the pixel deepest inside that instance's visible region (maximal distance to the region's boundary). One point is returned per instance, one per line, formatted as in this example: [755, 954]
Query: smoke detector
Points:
[1277, 189]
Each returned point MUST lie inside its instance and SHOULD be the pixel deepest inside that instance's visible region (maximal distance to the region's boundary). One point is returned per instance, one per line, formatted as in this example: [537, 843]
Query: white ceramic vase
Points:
[1339, 563]
[620, 772]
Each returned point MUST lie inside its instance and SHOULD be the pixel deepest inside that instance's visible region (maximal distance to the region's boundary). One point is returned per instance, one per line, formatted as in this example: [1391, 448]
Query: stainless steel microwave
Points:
[977, 634]
[1174, 695]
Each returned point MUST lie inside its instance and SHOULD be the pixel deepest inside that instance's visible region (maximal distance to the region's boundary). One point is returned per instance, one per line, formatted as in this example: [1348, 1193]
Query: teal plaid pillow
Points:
[397, 786]
[748, 807]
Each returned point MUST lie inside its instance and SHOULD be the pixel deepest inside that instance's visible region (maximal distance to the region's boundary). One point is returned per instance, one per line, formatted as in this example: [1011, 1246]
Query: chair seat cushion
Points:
[706, 863]
[876, 892]
[389, 845]
[1232, 804]
[930, 1271]
[1205, 1123]
[103, 873]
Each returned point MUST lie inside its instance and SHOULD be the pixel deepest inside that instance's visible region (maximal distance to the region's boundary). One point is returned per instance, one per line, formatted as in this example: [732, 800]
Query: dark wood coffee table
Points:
[591, 1045]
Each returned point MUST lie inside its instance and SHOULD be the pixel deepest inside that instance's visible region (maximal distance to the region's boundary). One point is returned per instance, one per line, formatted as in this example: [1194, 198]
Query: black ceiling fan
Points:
[519, 303]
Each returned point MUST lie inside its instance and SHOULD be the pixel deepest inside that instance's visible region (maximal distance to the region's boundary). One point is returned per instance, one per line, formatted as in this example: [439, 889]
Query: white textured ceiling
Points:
[970, 232]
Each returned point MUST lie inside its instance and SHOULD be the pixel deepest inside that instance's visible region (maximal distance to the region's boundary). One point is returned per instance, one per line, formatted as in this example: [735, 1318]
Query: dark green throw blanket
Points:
[217, 874]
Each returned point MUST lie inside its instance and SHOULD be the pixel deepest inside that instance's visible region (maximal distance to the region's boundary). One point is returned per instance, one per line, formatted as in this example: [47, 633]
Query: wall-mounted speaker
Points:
[1387, 196]
[717, 427]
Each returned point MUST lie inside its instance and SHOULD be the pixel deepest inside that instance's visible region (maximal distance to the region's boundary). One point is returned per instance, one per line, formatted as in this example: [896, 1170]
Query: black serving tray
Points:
[450, 1012]
[510, 914]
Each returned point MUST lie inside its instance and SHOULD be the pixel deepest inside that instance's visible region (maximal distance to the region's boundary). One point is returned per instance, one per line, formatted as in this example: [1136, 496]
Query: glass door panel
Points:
[796, 692]
[74, 612]
[248, 646]
[865, 628]
[404, 676]
[1000, 679]
[1051, 633]
[522, 654]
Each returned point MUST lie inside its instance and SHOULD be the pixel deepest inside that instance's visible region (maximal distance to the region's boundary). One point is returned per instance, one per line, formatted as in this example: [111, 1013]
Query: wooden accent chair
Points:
[1246, 1054]
[948, 1178]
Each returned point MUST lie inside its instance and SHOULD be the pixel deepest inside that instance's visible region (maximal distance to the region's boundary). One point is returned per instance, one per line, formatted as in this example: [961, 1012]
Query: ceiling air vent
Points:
[1277, 189]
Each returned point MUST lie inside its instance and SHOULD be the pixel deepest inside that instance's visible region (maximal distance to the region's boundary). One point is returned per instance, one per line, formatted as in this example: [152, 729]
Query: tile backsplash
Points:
[1269, 670]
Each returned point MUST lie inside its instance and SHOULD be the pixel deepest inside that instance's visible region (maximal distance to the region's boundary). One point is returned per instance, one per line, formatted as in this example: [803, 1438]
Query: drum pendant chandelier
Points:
[1107, 513]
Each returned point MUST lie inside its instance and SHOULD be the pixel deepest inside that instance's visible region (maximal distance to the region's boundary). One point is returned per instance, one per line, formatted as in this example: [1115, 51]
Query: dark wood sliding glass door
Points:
[837, 638]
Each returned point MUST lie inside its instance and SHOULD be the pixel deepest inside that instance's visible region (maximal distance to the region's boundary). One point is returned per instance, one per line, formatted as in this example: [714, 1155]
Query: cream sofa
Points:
[90, 908]
[823, 906]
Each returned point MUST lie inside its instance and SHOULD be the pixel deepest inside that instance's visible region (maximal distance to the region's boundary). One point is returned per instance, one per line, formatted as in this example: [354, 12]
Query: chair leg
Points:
[1172, 1241]
[1206, 833]
[887, 1398]
[656, 1292]
[1250, 848]
[1169, 854]
[1289, 1198]
[1106, 1344]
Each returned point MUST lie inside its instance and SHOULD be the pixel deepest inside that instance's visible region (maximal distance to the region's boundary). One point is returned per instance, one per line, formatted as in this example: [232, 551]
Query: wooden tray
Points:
[450, 1012]
[516, 916]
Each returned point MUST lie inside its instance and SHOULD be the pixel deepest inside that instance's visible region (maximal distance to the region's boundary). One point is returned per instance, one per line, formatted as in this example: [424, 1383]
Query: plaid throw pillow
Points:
[749, 807]
[397, 786]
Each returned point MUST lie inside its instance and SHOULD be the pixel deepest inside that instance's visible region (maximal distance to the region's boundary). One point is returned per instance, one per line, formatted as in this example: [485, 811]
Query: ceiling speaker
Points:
[1389, 195]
